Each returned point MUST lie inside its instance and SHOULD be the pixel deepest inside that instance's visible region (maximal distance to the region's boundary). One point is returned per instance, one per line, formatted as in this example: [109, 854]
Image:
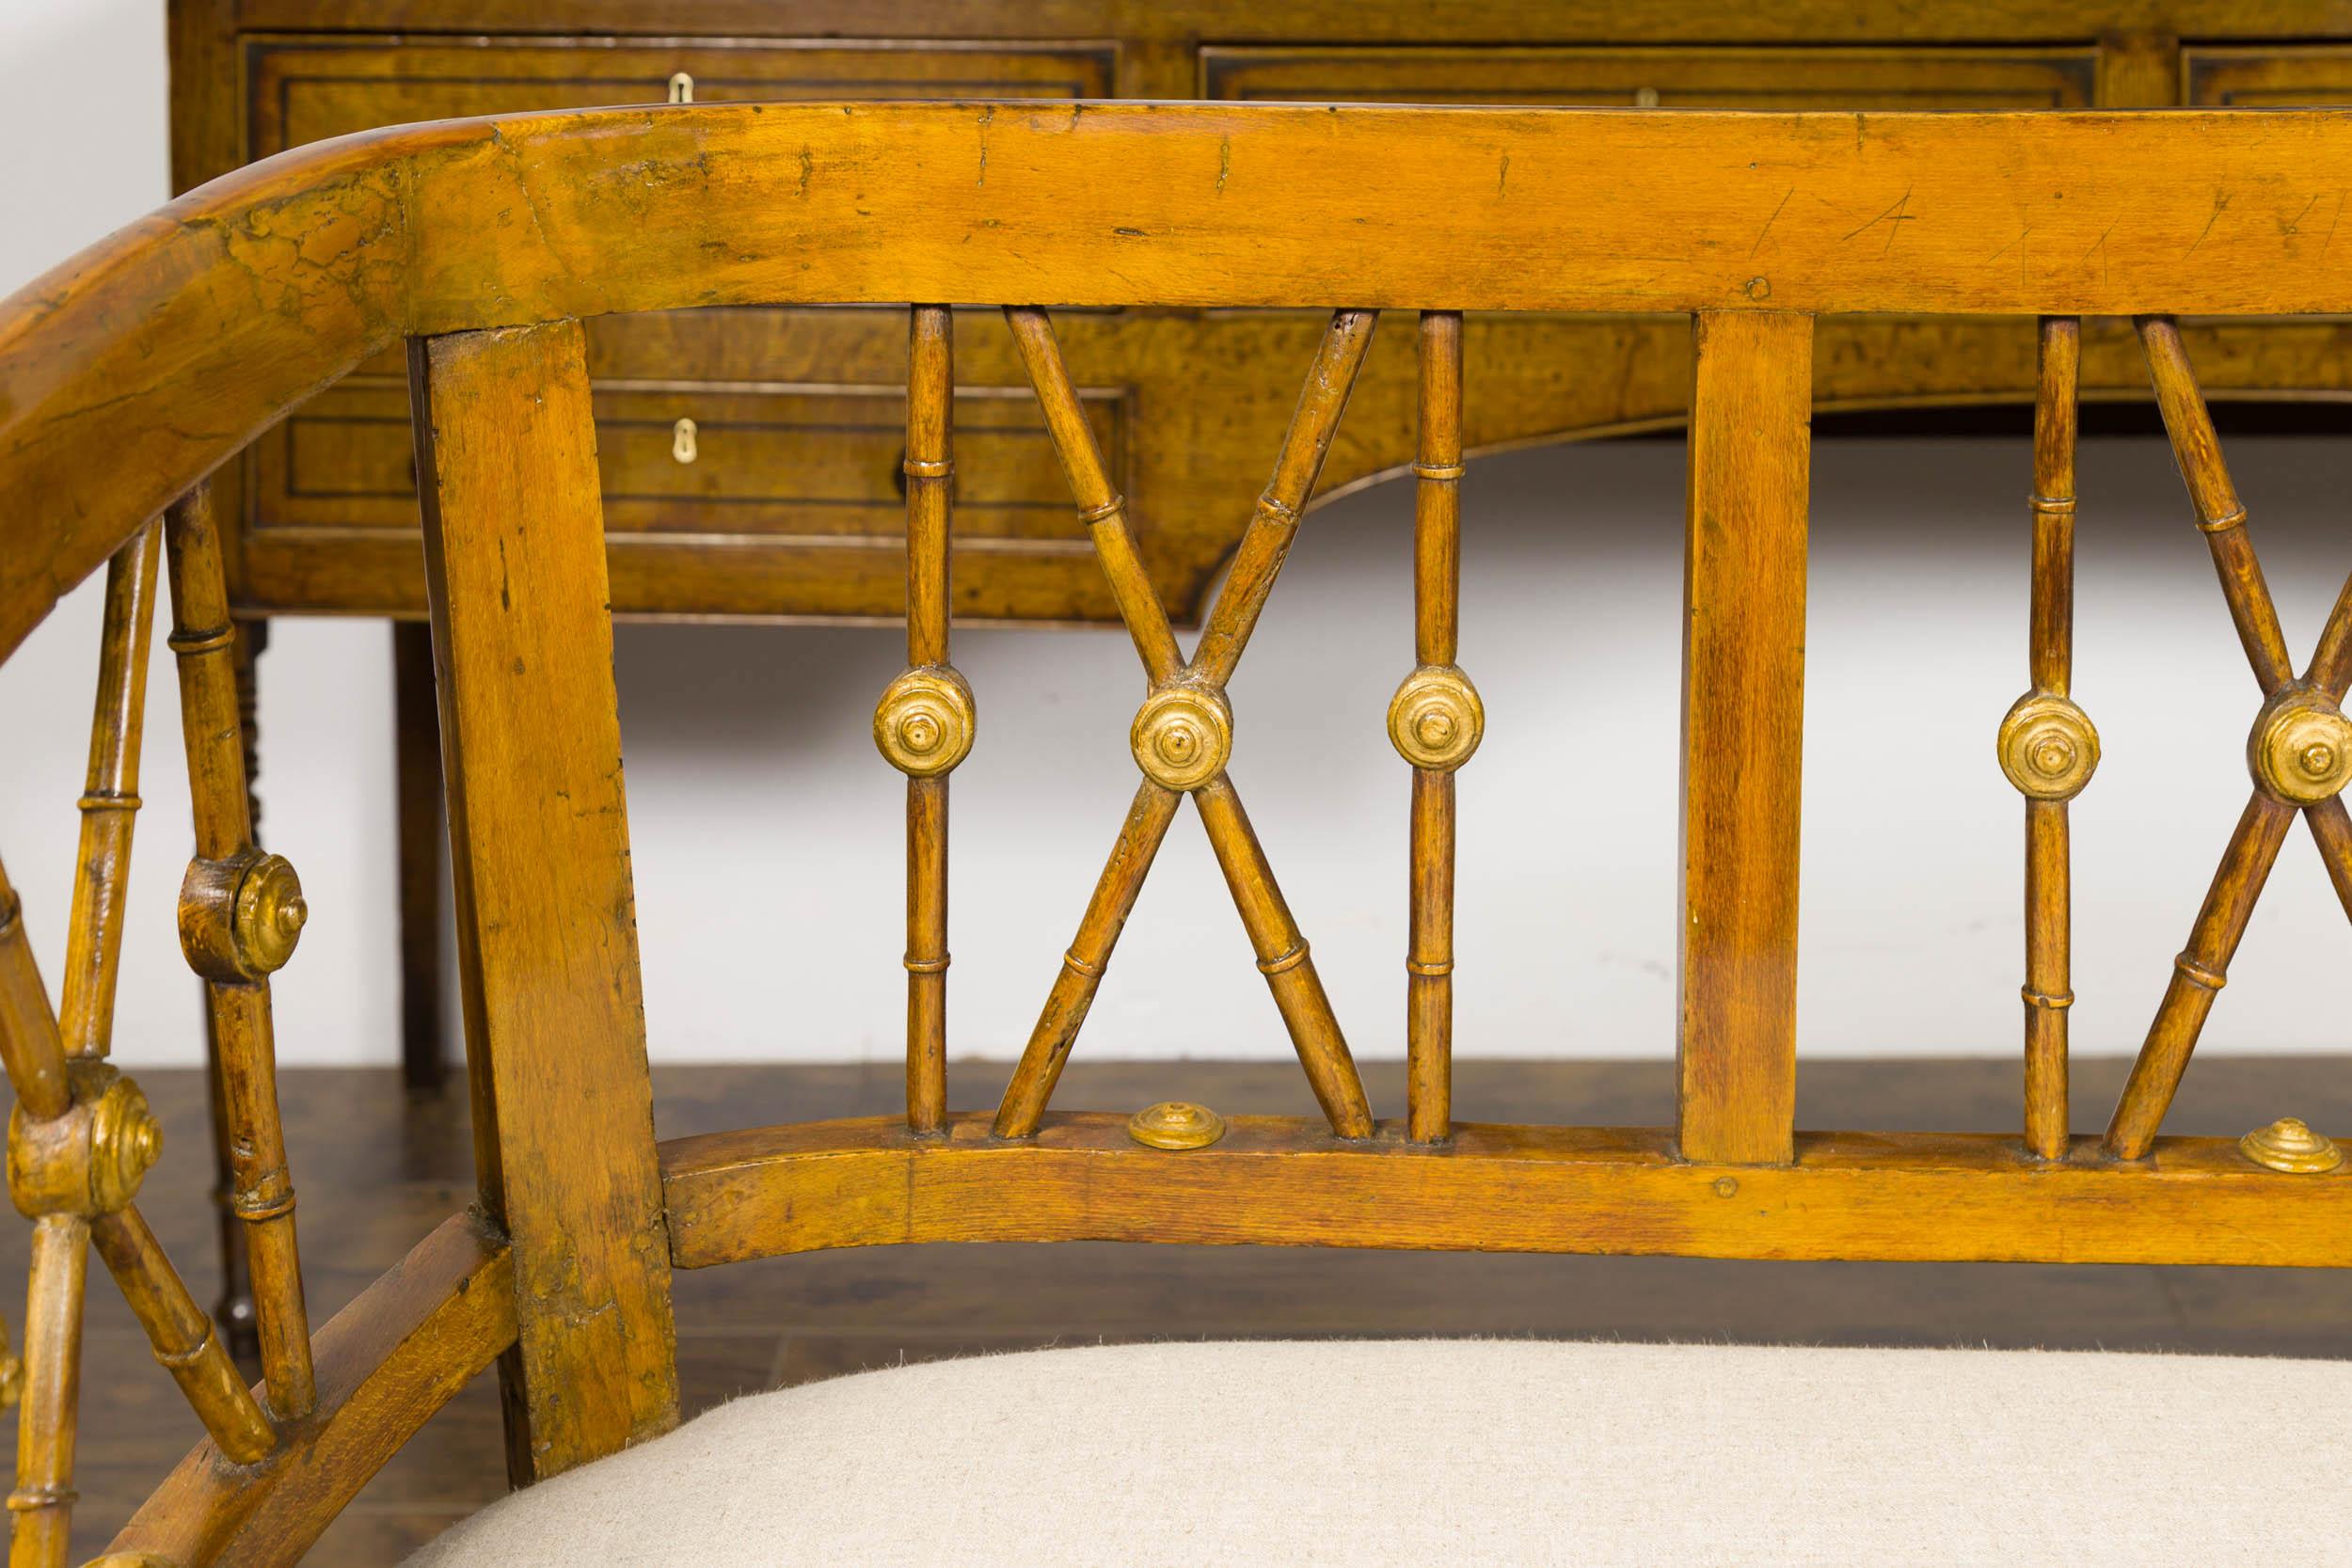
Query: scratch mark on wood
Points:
[1770, 221]
[986, 115]
[2221, 205]
[1224, 161]
[1894, 217]
[2017, 245]
[2331, 225]
[2099, 249]
[1502, 174]
[2290, 228]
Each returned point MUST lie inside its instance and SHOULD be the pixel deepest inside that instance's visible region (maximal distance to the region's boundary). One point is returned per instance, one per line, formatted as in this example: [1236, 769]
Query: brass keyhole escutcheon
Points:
[685, 440]
[681, 88]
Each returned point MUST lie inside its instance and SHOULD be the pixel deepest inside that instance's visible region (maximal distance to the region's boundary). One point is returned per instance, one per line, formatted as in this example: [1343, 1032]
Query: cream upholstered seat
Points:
[1434, 1451]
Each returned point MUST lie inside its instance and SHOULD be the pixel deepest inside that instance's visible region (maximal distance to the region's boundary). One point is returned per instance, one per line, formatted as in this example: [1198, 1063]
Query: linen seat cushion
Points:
[1429, 1451]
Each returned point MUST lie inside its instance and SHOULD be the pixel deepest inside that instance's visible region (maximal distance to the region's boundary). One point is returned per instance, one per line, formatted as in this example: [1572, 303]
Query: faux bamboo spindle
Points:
[2047, 745]
[1265, 542]
[1088, 954]
[240, 913]
[1435, 722]
[1100, 505]
[2220, 515]
[1183, 735]
[183, 1336]
[925, 723]
[40, 1509]
[2198, 974]
[110, 799]
[40, 1506]
[29, 1042]
[1283, 959]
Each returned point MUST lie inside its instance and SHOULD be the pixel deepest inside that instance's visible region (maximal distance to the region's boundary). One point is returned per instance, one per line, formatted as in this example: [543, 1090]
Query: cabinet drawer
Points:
[767, 461]
[302, 89]
[2266, 78]
[1693, 78]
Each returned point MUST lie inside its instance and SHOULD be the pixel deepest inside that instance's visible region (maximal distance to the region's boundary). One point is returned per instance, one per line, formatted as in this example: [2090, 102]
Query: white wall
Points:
[768, 838]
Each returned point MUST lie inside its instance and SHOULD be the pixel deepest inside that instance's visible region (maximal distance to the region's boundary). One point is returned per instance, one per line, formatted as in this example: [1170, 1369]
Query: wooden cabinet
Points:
[2267, 77]
[787, 505]
[1672, 78]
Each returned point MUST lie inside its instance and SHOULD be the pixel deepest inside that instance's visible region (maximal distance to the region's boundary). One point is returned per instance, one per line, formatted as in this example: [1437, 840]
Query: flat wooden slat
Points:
[1742, 730]
[1282, 1180]
[555, 1026]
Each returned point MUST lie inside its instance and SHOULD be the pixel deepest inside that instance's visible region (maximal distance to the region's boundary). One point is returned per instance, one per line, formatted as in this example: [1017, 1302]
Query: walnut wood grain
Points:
[1743, 632]
[555, 1023]
[864, 1182]
[1136, 215]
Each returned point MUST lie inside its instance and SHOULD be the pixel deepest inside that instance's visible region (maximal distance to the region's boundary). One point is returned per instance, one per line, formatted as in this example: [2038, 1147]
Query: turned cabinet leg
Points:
[417, 748]
[234, 1310]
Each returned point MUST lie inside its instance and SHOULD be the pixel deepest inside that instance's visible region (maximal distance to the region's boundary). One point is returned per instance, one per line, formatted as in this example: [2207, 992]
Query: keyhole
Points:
[684, 441]
[681, 88]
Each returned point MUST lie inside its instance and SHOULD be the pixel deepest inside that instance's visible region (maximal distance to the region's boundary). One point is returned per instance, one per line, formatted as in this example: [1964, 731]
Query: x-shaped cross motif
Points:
[2300, 753]
[1183, 735]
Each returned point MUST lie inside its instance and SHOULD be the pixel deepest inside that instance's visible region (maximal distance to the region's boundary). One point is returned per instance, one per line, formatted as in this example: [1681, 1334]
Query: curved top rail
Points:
[131, 370]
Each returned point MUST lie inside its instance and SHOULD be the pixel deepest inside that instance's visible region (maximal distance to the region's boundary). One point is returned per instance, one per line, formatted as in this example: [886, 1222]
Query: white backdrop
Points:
[767, 836]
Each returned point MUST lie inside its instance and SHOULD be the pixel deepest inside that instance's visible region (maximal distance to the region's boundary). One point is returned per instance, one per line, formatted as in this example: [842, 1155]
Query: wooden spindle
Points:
[1265, 542]
[182, 1336]
[1284, 960]
[2332, 830]
[239, 911]
[2049, 747]
[1082, 965]
[2220, 515]
[1184, 731]
[1100, 504]
[2198, 974]
[110, 799]
[40, 1507]
[925, 725]
[29, 1042]
[1742, 730]
[1435, 722]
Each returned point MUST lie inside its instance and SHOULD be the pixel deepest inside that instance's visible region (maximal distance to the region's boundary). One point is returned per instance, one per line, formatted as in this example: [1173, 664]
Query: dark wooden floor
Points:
[377, 1170]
